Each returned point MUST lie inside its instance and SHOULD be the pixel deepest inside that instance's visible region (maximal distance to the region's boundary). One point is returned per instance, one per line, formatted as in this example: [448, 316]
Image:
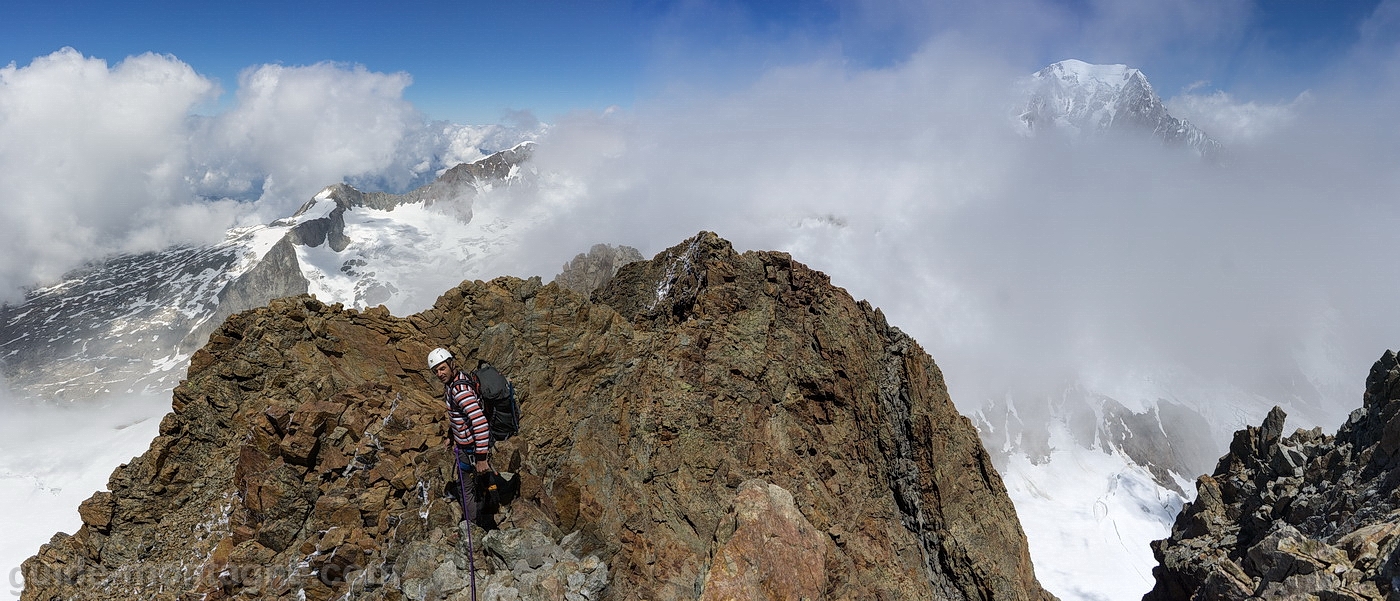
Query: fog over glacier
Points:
[1023, 264]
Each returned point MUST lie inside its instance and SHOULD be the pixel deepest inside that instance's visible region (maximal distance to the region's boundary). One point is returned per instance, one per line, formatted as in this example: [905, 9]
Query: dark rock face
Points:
[460, 185]
[1165, 439]
[497, 167]
[712, 424]
[1308, 516]
[278, 274]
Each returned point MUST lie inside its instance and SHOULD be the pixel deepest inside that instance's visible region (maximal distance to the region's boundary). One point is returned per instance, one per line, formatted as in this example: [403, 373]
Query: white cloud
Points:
[1234, 122]
[52, 458]
[103, 159]
[294, 130]
[92, 155]
[1015, 261]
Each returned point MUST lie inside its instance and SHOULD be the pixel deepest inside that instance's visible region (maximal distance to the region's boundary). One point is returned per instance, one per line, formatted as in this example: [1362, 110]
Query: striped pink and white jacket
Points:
[468, 424]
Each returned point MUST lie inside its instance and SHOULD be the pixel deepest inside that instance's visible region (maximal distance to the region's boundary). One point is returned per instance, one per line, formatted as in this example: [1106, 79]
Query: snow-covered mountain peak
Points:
[1080, 72]
[320, 206]
[1084, 100]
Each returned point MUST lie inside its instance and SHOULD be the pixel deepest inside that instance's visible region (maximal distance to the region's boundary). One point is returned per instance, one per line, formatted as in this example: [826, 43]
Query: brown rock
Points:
[97, 510]
[1367, 546]
[315, 438]
[767, 550]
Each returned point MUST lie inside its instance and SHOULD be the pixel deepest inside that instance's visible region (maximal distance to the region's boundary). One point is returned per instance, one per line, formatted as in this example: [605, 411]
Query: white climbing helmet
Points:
[436, 356]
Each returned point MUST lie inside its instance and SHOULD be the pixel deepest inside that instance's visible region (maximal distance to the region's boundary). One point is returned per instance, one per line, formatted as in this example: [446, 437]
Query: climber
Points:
[470, 433]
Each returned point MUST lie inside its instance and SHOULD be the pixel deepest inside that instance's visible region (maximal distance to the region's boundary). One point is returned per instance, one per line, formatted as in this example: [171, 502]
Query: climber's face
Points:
[443, 371]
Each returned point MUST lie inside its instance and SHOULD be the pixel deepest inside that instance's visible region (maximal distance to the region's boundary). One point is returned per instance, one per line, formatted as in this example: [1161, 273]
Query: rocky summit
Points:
[708, 425]
[1308, 516]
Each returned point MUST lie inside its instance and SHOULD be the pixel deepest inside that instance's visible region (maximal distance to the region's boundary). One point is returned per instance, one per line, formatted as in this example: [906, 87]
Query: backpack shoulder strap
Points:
[462, 377]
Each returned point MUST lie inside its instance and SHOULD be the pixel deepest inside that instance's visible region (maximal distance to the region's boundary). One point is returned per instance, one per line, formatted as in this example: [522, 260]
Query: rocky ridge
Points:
[711, 425]
[1307, 516]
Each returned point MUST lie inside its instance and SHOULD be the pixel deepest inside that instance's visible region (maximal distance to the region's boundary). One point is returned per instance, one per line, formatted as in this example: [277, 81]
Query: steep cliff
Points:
[1308, 516]
[711, 425]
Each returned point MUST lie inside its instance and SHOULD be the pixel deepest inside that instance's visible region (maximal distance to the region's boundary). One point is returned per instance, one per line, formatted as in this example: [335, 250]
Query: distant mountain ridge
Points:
[1082, 99]
[130, 322]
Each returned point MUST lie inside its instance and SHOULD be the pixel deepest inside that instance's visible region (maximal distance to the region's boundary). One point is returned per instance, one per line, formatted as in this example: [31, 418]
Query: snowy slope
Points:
[405, 257]
[1087, 514]
[130, 323]
[52, 458]
[1099, 470]
[121, 326]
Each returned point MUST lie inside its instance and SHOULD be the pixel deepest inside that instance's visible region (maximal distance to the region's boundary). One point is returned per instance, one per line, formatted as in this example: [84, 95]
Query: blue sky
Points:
[473, 61]
[469, 60]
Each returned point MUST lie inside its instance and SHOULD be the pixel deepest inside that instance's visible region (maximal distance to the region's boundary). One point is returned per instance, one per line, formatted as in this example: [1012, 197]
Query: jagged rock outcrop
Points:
[462, 183]
[500, 166]
[712, 424]
[1308, 516]
[589, 272]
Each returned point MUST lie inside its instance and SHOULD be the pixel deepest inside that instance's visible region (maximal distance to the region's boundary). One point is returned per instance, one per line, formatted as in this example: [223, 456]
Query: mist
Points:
[1021, 263]
[55, 456]
[102, 158]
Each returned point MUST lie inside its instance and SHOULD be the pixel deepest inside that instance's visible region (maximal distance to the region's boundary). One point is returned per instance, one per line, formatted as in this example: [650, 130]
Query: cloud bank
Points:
[91, 155]
[100, 159]
[294, 129]
[1022, 264]
[52, 458]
